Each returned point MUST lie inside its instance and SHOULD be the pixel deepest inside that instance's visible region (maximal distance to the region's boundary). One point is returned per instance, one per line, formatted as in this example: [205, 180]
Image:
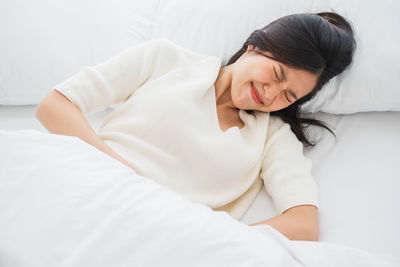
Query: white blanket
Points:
[65, 203]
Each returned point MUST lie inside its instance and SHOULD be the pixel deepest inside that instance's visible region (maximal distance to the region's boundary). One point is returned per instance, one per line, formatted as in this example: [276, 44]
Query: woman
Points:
[214, 133]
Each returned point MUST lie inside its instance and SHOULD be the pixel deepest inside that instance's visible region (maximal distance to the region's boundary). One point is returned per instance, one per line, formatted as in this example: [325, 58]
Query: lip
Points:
[255, 95]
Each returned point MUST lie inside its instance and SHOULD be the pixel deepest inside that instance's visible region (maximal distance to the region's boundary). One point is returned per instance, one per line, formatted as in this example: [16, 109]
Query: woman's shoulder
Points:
[276, 124]
[166, 54]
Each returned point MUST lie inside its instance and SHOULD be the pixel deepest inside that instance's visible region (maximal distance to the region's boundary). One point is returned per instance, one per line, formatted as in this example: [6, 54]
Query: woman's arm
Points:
[296, 223]
[60, 116]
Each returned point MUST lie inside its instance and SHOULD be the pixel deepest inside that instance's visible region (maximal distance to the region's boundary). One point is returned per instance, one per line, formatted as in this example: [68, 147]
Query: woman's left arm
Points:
[296, 223]
[286, 173]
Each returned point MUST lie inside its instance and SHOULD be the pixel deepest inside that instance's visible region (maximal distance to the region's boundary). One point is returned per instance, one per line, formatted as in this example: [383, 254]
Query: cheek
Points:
[247, 71]
[239, 96]
[281, 105]
[239, 87]
[278, 104]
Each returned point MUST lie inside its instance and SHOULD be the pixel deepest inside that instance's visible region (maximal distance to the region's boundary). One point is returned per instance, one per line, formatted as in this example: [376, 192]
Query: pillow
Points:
[219, 28]
[45, 42]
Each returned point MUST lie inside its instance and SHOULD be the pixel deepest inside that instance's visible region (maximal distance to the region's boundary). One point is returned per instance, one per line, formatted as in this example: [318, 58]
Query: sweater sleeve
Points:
[95, 88]
[285, 170]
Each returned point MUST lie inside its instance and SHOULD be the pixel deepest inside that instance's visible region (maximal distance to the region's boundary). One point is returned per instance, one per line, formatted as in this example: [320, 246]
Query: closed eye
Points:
[287, 98]
[280, 80]
[276, 74]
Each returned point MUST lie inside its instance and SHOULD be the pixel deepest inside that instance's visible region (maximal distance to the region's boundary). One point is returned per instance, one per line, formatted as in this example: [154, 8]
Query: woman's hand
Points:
[296, 223]
[61, 116]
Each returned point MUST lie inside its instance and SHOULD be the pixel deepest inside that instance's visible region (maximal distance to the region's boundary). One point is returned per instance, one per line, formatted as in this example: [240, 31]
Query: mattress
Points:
[357, 174]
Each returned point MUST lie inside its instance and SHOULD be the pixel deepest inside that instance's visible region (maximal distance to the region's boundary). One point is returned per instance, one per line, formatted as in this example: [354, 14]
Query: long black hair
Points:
[321, 43]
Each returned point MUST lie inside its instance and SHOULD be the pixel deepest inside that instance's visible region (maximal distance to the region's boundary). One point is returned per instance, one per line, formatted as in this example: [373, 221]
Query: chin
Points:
[240, 104]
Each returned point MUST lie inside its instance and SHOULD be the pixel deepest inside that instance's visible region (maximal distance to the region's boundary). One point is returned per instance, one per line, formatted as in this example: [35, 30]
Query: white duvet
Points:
[65, 203]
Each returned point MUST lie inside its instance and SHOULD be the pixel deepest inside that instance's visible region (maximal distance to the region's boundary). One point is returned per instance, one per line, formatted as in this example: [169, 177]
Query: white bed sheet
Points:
[359, 182]
[358, 177]
[65, 203]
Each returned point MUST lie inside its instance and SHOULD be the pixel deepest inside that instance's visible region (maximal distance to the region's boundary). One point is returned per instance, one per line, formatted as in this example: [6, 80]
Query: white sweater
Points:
[167, 127]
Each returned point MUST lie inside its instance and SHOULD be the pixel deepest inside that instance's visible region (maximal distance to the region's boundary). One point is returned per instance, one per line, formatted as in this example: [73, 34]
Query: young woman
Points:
[214, 133]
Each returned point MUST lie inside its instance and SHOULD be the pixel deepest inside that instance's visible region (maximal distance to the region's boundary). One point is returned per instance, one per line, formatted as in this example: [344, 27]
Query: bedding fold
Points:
[65, 203]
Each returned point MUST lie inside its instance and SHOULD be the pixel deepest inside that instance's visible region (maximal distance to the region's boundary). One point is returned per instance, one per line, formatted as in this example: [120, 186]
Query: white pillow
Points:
[44, 42]
[219, 28]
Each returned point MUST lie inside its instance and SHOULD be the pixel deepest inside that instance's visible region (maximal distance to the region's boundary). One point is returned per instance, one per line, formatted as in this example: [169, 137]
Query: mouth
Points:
[255, 95]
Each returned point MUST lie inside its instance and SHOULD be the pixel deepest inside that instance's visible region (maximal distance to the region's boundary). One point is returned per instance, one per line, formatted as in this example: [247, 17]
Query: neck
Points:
[223, 88]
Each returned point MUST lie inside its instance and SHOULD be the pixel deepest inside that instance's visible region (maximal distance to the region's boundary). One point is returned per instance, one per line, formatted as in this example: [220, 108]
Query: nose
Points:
[271, 91]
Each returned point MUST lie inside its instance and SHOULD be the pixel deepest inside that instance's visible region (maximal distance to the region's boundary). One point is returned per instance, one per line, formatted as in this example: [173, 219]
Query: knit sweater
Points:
[165, 125]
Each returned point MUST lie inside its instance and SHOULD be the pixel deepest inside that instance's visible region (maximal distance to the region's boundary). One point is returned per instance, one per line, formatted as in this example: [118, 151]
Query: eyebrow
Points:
[284, 78]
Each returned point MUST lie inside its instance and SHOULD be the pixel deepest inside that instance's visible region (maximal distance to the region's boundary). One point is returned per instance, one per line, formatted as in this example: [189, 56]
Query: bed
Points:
[56, 211]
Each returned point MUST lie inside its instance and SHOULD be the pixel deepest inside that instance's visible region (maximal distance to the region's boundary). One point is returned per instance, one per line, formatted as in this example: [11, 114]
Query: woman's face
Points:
[263, 84]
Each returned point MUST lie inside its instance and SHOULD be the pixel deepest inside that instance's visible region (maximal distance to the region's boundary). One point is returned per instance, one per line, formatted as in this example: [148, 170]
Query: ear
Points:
[250, 47]
[248, 51]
